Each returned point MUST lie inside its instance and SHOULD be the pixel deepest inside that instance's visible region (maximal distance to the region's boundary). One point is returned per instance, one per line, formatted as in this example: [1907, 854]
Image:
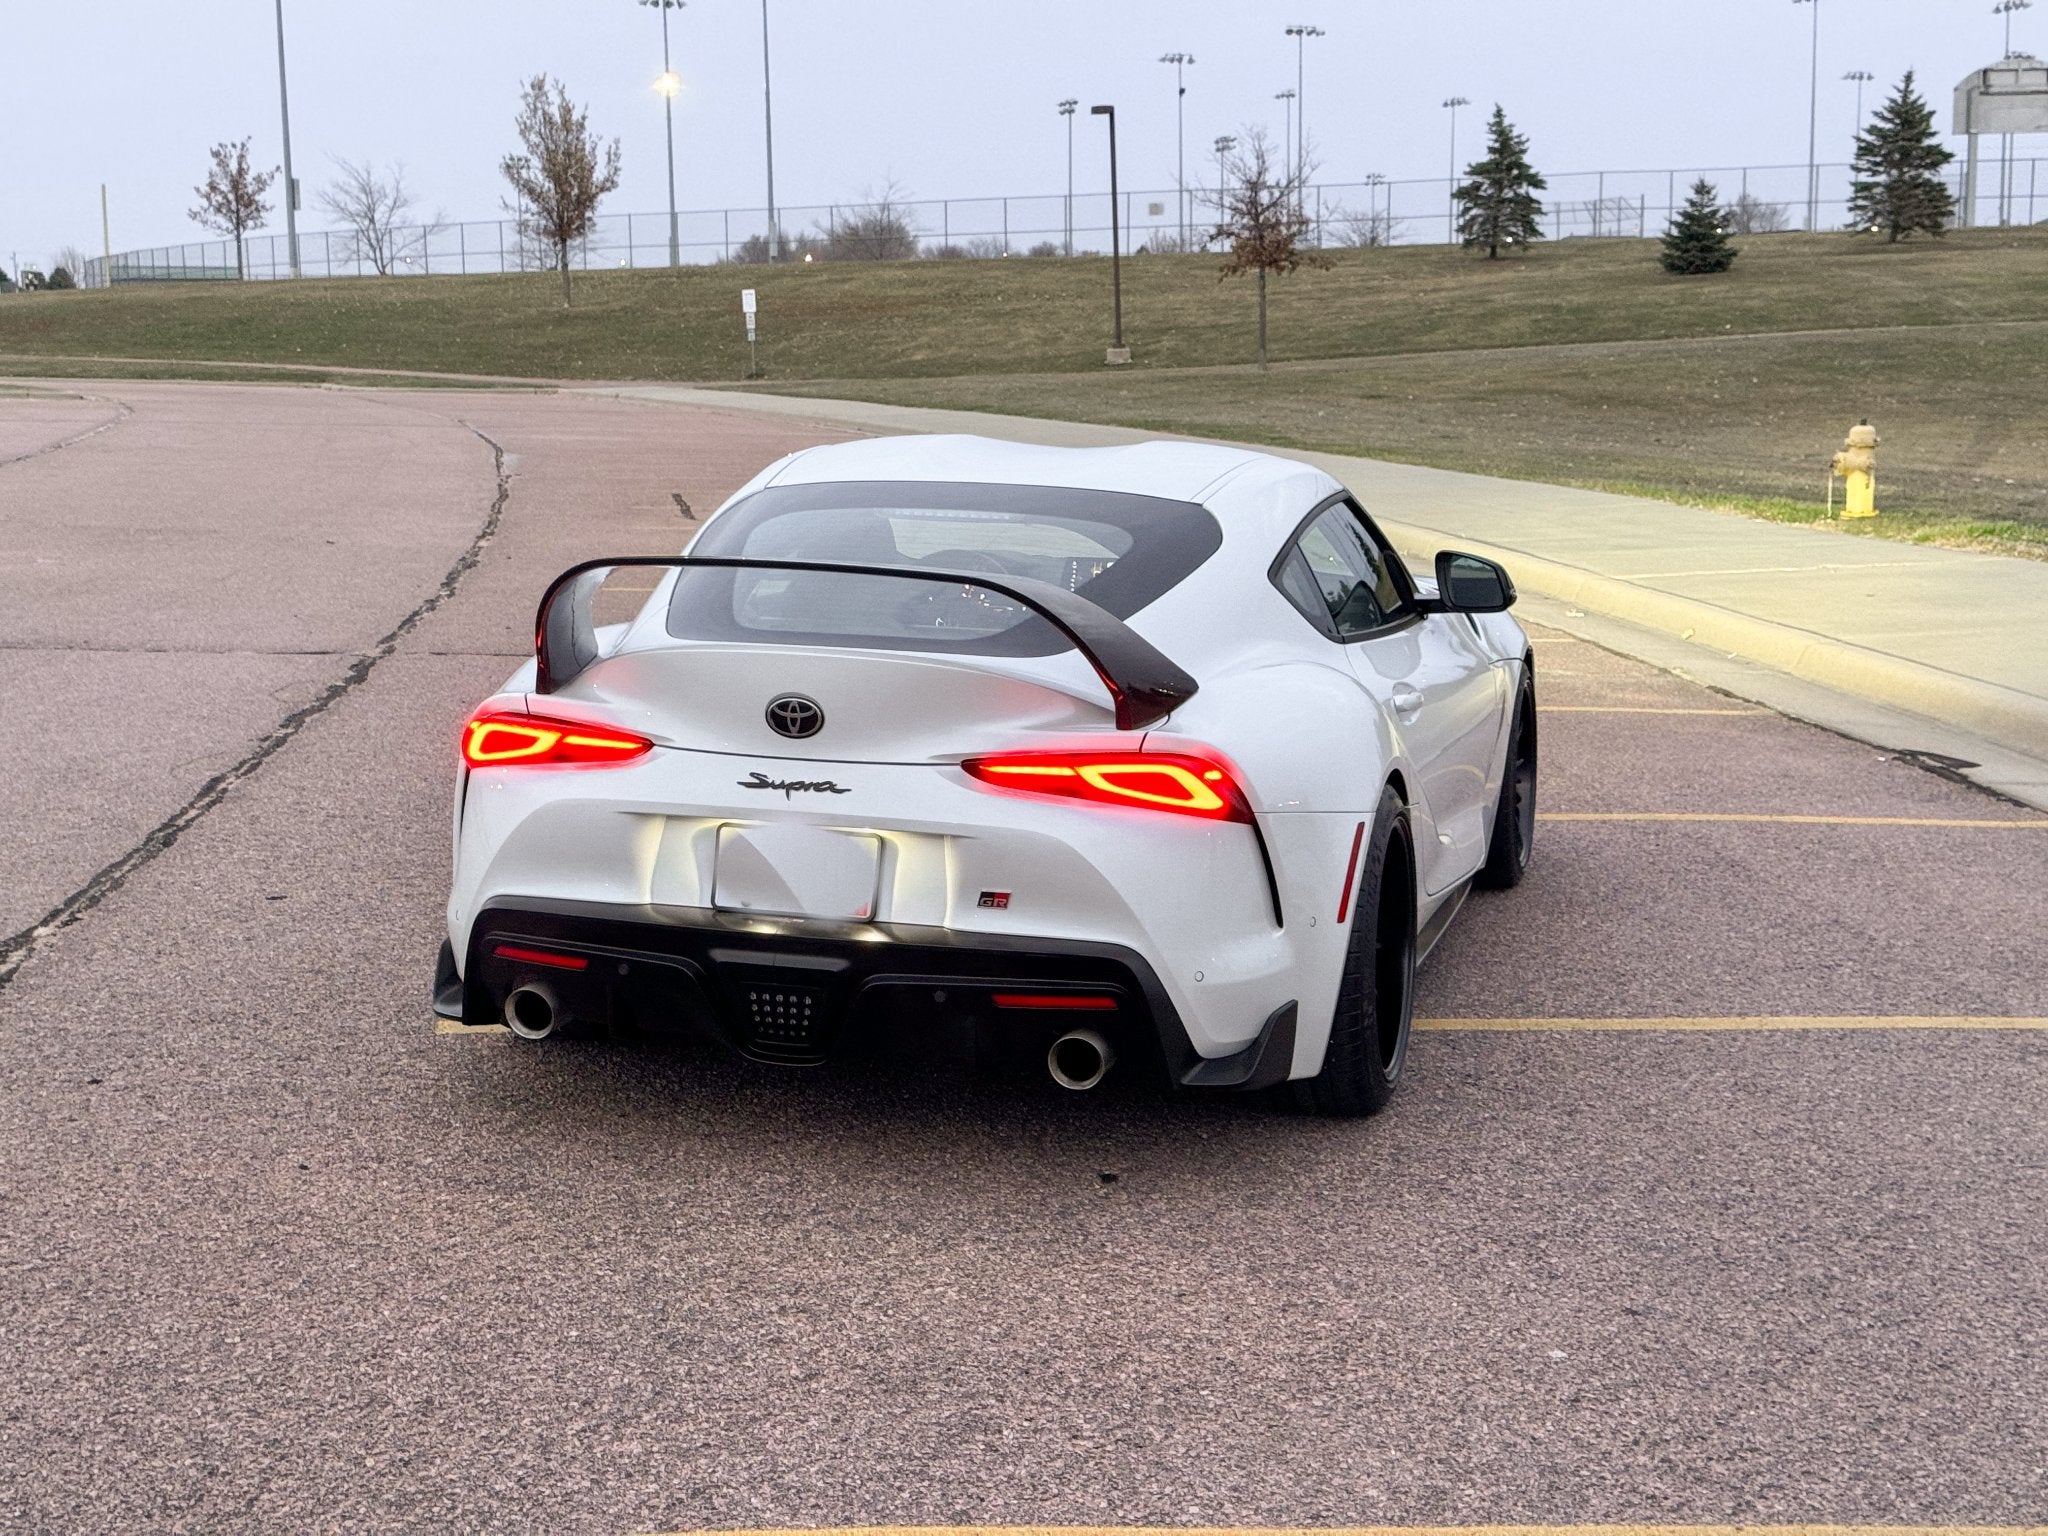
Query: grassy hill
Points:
[1581, 361]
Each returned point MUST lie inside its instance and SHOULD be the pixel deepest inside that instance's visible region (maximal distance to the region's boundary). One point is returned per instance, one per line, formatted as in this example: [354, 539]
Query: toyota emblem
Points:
[793, 715]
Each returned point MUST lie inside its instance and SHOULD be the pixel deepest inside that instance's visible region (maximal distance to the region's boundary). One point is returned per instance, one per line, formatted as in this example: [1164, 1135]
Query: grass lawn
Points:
[1581, 362]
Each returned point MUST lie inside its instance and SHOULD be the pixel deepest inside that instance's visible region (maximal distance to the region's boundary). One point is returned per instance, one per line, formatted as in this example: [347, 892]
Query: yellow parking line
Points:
[1739, 1022]
[2008, 824]
[1636, 709]
[1380, 1530]
[456, 1027]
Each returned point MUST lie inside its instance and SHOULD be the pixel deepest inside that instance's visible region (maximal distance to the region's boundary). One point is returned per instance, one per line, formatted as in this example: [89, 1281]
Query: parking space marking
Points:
[457, 1027]
[2008, 824]
[1379, 1530]
[1636, 709]
[1763, 1023]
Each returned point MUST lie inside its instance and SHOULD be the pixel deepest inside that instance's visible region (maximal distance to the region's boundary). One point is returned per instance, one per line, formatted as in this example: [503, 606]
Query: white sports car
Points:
[1155, 754]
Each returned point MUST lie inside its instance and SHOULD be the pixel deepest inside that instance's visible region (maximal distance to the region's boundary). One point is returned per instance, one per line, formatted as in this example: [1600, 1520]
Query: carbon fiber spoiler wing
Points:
[1144, 685]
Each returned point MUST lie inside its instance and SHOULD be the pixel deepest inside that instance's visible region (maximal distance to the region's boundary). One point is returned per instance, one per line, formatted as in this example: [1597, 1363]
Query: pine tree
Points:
[1499, 196]
[1897, 185]
[1697, 241]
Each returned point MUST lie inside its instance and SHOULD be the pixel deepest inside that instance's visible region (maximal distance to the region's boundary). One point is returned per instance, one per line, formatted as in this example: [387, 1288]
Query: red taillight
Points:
[491, 741]
[1160, 781]
[1055, 1001]
[542, 957]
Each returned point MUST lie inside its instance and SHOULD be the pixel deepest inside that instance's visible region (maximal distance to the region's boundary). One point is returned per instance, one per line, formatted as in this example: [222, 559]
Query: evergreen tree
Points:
[1697, 240]
[1897, 185]
[1499, 202]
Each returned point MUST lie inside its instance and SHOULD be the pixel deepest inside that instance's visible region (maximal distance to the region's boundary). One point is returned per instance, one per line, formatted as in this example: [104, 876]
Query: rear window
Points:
[1119, 551]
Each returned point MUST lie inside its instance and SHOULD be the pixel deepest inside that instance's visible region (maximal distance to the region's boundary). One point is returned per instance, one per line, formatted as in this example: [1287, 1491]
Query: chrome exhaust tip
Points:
[531, 1013]
[1079, 1059]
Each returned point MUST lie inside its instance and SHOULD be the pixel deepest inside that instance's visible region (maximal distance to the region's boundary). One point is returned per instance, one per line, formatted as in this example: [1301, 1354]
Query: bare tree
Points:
[1751, 215]
[879, 229]
[1260, 218]
[564, 174]
[1367, 230]
[231, 200]
[374, 209]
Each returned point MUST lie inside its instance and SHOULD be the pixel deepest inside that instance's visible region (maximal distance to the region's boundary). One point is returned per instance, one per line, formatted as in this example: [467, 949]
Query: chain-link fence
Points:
[1587, 204]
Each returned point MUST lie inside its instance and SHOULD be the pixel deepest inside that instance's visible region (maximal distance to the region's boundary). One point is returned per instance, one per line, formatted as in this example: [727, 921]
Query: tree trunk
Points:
[1262, 319]
[562, 256]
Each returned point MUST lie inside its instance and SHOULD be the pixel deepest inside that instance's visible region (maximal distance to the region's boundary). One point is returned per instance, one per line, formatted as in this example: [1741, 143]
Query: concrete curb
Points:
[2000, 714]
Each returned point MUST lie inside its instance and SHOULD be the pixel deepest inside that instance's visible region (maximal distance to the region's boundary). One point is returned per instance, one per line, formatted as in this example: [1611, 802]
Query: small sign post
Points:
[747, 307]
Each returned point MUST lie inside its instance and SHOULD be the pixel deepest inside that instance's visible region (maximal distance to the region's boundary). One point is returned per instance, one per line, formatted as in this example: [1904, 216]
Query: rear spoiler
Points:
[1145, 686]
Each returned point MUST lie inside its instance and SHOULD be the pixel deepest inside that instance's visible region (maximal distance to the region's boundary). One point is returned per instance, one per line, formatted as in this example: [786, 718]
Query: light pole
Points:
[669, 85]
[1451, 219]
[291, 187]
[1301, 35]
[1287, 137]
[1377, 233]
[1067, 111]
[768, 119]
[1225, 143]
[1180, 62]
[1813, 126]
[1119, 353]
[2005, 8]
[1859, 78]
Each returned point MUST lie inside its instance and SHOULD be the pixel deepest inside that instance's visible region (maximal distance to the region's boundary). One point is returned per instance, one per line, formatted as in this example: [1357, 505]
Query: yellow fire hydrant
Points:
[1856, 467]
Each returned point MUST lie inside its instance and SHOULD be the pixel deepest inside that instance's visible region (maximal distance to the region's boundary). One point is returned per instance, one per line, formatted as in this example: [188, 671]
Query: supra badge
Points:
[760, 780]
[794, 716]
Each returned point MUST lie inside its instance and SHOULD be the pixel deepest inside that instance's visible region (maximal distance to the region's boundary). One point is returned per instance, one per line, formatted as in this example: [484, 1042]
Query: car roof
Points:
[1178, 471]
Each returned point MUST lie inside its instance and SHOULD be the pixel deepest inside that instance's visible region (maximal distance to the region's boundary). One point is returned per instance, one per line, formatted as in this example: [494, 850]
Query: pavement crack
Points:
[122, 411]
[19, 948]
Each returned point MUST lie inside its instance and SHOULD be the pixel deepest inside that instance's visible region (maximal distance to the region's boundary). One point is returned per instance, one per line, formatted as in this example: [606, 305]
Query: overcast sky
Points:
[950, 98]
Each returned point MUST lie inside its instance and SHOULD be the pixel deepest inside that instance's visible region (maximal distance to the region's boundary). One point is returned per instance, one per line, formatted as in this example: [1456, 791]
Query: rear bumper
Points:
[800, 992]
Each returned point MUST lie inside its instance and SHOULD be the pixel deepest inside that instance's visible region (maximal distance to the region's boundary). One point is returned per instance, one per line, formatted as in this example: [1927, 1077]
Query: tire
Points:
[1376, 996]
[1513, 839]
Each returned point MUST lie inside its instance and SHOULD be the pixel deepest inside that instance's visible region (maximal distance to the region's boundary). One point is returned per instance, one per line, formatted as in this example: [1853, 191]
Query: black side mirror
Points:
[1469, 584]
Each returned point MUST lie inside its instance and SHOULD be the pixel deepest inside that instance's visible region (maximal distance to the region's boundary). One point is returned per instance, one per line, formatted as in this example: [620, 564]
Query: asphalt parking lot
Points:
[1716, 1193]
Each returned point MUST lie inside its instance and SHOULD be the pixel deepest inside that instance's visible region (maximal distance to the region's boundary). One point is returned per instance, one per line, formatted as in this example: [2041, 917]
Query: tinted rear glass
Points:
[1119, 551]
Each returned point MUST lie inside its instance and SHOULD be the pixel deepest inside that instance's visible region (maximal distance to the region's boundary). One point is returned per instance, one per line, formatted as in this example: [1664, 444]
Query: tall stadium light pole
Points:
[1451, 219]
[1374, 180]
[1180, 62]
[768, 120]
[1813, 125]
[669, 85]
[1067, 111]
[1859, 78]
[1225, 143]
[1301, 35]
[291, 187]
[2005, 8]
[1287, 135]
[1116, 244]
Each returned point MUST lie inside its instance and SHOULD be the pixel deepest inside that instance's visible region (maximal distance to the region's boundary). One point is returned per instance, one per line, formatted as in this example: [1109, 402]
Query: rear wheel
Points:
[1375, 998]
[1514, 814]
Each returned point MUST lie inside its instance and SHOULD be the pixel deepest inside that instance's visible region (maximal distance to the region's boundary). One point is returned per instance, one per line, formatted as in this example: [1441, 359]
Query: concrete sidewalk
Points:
[1922, 650]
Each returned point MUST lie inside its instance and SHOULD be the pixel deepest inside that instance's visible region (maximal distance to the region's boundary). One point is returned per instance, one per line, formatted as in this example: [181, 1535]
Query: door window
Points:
[1340, 577]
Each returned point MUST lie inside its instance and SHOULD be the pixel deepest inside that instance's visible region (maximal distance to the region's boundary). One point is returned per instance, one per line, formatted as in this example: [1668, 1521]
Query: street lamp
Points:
[1813, 126]
[768, 119]
[291, 187]
[1180, 61]
[1301, 35]
[1451, 220]
[1119, 353]
[668, 85]
[1067, 111]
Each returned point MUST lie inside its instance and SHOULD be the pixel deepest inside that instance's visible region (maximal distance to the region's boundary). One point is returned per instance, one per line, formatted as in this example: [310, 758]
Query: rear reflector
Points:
[541, 957]
[503, 740]
[1159, 781]
[1054, 1000]
[1350, 874]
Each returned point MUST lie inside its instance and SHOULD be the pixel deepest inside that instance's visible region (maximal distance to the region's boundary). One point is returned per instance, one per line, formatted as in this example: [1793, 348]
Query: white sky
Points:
[950, 98]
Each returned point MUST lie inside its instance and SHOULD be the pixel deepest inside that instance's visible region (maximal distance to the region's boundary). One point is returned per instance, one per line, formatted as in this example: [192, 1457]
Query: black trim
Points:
[447, 983]
[683, 966]
[1145, 686]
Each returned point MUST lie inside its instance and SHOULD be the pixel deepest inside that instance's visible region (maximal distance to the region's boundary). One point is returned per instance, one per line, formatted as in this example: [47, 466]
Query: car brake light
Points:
[1056, 1002]
[542, 957]
[1160, 781]
[495, 740]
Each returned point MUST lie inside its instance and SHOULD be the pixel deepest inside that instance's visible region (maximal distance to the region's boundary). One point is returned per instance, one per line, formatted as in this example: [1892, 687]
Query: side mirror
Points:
[1469, 584]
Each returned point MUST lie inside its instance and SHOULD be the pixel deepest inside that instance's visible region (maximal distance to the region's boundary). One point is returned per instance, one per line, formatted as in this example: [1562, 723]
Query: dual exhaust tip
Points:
[1079, 1060]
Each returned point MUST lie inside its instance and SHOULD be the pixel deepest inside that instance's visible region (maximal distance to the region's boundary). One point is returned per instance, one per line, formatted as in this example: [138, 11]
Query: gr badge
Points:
[994, 899]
